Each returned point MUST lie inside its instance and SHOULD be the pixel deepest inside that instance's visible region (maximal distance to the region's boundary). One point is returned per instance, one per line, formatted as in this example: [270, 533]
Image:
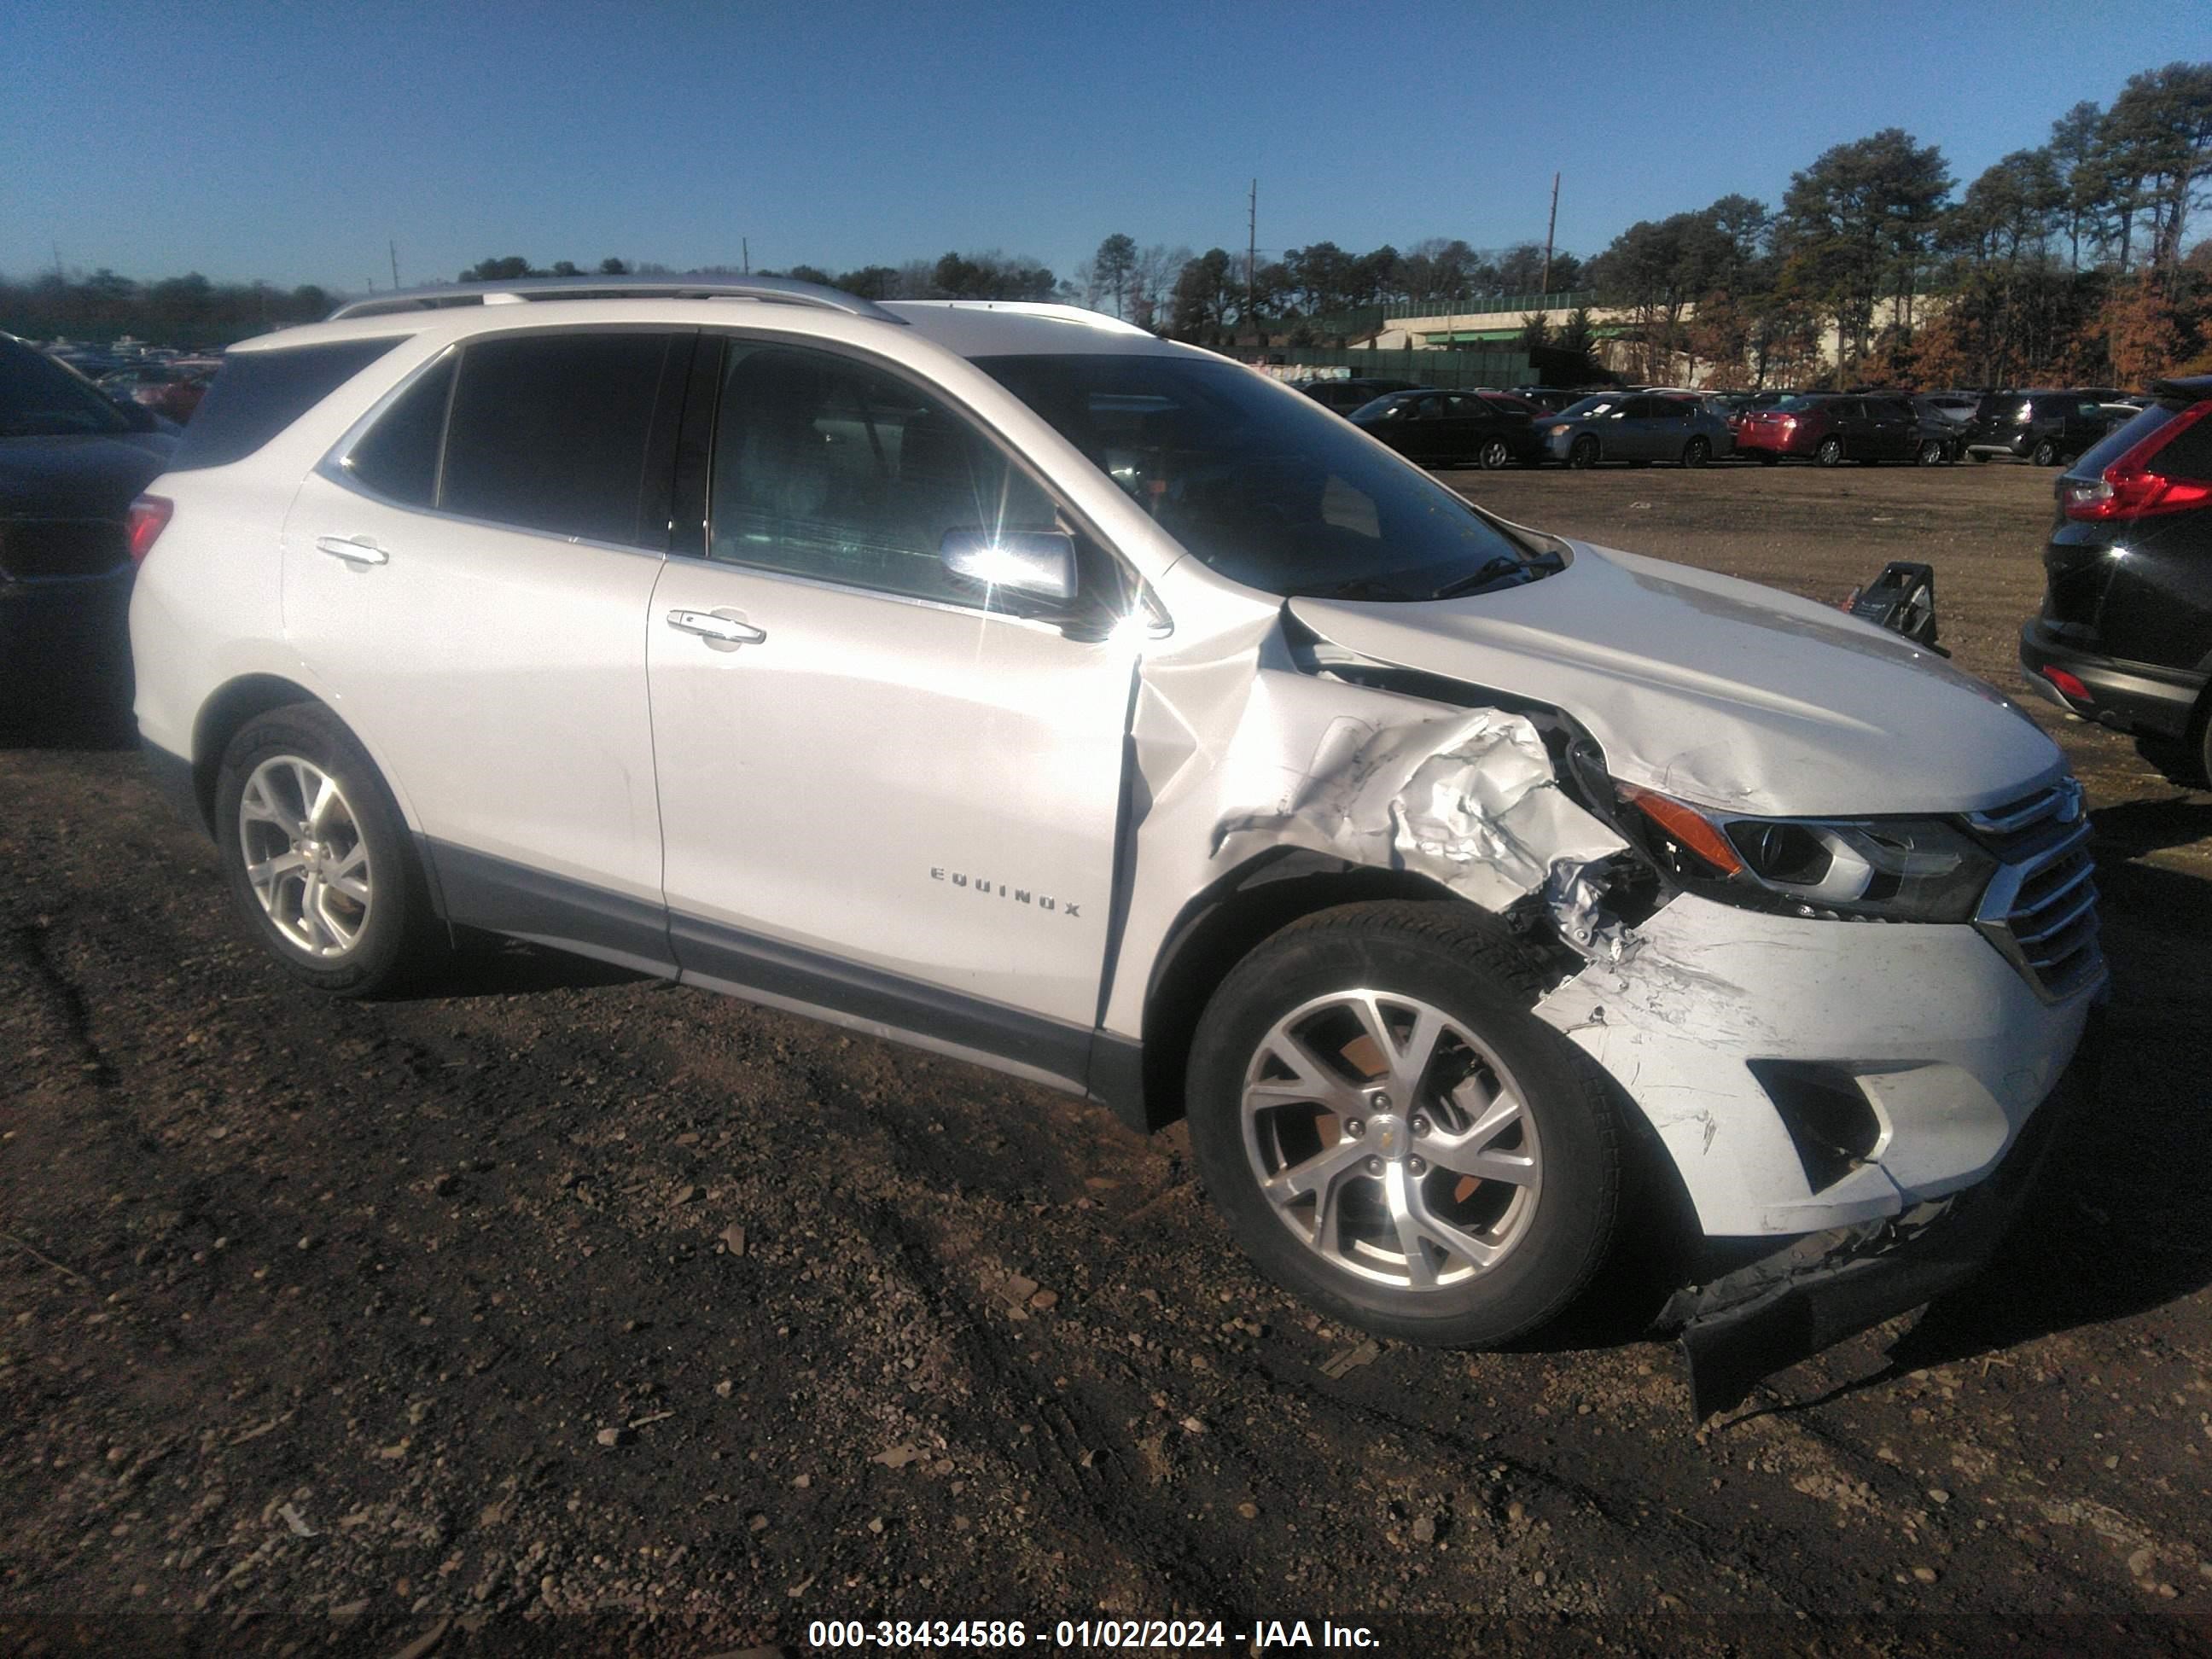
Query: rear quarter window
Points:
[256, 394]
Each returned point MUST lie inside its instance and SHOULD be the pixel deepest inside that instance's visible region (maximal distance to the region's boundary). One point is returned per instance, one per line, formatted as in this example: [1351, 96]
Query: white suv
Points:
[1005, 681]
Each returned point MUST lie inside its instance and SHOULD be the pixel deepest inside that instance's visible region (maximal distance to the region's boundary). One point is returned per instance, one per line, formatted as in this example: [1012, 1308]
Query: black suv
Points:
[2125, 636]
[2044, 428]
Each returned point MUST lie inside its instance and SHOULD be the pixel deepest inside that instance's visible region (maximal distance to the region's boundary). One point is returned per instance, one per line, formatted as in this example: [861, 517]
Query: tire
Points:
[1980, 458]
[1768, 457]
[348, 910]
[2045, 454]
[1697, 452]
[1831, 452]
[1495, 455]
[1934, 452]
[1583, 453]
[1481, 1260]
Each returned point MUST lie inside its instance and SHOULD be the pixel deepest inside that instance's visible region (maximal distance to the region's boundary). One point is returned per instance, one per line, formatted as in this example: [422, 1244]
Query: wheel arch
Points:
[1221, 926]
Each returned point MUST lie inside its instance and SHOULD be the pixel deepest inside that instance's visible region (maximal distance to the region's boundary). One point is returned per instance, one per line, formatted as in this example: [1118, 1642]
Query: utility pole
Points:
[394, 246]
[746, 254]
[57, 258]
[1550, 226]
[1252, 260]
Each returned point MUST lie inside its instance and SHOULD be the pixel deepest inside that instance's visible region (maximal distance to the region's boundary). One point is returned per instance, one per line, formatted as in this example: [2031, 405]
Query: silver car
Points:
[1639, 428]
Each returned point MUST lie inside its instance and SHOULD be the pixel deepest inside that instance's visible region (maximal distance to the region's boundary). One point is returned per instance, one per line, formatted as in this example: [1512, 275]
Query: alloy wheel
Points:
[1391, 1140]
[305, 857]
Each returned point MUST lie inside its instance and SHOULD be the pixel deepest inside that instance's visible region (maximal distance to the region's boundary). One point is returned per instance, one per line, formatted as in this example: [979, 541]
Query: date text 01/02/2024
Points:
[1085, 1633]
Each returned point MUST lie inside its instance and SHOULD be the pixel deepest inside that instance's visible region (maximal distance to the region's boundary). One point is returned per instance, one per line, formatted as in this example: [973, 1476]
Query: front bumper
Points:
[1821, 1289]
[1946, 1045]
[2130, 697]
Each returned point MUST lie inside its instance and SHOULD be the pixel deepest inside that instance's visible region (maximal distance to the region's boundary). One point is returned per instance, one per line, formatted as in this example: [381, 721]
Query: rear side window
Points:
[2189, 456]
[553, 433]
[398, 457]
[256, 394]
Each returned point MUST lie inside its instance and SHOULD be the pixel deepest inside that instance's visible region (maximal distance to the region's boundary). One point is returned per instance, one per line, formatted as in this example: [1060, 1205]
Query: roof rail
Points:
[782, 290]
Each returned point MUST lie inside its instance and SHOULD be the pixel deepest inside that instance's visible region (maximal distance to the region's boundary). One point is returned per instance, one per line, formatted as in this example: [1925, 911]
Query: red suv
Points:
[1831, 430]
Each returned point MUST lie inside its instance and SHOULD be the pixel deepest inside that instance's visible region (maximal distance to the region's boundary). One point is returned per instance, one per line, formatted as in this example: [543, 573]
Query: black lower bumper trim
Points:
[1823, 1288]
[2137, 696]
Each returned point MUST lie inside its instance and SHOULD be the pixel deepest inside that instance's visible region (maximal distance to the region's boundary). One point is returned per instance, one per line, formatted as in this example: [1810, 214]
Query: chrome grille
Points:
[2041, 906]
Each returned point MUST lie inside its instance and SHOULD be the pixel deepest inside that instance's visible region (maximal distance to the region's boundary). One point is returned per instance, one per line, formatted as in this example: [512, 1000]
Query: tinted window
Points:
[398, 456]
[1265, 488]
[551, 432]
[828, 469]
[255, 395]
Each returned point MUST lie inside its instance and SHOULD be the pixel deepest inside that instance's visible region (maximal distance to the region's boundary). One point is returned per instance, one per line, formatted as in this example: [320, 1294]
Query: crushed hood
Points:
[1720, 691]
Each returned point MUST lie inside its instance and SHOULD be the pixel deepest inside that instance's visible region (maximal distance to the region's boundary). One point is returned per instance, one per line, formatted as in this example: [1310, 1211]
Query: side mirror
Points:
[1035, 561]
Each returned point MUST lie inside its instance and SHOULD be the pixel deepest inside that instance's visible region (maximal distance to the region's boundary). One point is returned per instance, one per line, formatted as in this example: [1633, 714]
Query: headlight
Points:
[1886, 869]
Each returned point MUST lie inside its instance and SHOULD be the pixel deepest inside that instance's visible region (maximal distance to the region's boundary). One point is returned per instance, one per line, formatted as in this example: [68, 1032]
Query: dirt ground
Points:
[572, 1312]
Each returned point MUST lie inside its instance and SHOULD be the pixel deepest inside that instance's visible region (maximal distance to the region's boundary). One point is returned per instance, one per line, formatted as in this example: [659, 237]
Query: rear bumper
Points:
[2019, 446]
[2130, 697]
[173, 776]
[1827, 1287]
[1750, 441]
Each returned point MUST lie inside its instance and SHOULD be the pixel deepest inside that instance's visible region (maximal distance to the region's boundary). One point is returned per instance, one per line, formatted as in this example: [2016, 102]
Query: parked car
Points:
[1956, 407]
[1830, 428]
[816, 650]
[173, 389]
[2124, 635]
[1550, 398]
[1348, 397]
[71, 462]
[1639, 428]
[2040, 428]
[1452, 428]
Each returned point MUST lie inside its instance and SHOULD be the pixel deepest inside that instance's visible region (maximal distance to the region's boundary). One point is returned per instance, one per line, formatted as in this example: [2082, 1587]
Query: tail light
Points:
[149, 517]
[2130, 489]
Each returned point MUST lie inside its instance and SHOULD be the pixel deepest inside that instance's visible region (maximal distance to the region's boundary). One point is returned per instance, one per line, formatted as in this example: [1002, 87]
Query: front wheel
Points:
[1583, 453]
[1934, 452]
[1391, 1134]
[1697, 452]
[2046, 454]
[1831, 452]
[1494, 455]
[316, 856]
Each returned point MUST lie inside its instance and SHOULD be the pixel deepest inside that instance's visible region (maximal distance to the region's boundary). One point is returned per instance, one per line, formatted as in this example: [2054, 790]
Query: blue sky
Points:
[288, 141]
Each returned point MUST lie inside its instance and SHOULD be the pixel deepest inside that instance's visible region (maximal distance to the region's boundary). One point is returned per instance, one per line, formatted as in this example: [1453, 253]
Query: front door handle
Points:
[353, 552]
[708, 626]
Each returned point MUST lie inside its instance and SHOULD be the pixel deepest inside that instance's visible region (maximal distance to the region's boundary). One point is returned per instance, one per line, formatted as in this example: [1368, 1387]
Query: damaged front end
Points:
[1768, 1315]
[1678, 963]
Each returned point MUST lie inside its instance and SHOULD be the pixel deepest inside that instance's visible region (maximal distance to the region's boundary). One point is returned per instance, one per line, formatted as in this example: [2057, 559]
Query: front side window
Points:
[828, 469]
[552, 432]
[1266, 490]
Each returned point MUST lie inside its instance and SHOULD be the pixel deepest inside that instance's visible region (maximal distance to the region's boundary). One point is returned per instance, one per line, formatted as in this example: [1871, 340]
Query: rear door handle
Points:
[708, 626]
[352, 551]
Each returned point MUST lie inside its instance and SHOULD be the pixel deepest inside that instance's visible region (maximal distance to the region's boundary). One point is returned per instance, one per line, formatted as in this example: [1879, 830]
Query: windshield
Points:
[40, 398]
[1271, 491]
[1589, 406]
[1794, 404]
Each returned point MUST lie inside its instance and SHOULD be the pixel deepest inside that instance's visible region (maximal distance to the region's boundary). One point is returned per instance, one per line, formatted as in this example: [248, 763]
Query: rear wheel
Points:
[1831, 452]
[1583, 453]
[2046, 454]
[1934, 452]
[1697, 452]
[1495, 454]
[1389, 1132]
[317, 857]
